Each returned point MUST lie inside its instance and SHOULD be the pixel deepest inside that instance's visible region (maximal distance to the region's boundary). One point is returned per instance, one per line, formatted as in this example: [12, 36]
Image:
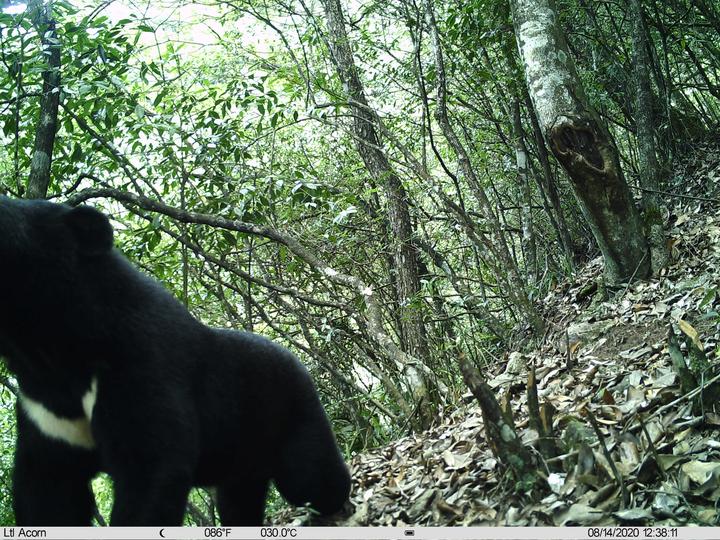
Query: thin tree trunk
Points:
[609, 53]
[580, 142]
[647, 158]
[500, 433]
[515, 287]
[549, 184]
[378, 165]
[528, 232]
[39, 179]
[372, 314]
[476, 306]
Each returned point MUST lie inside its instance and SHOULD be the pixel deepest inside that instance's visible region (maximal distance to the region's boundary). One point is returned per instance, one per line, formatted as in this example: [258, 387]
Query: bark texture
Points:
[521, 161]
[580, 142]
[376, 162]
[648, 166]
[39, 179]
[548, 185]
[500, 432]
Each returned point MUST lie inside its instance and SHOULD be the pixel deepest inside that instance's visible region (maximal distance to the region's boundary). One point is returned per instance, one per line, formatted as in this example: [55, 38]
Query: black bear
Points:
[116, 375]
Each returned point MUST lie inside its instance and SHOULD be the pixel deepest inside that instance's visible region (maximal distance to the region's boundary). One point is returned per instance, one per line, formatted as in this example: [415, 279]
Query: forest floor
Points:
[621, 369]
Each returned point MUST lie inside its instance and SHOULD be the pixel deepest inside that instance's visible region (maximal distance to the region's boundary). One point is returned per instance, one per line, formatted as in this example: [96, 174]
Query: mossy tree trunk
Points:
[378, 165]
[580, 142]
[648, 166]
[547, 183]
[39, 179]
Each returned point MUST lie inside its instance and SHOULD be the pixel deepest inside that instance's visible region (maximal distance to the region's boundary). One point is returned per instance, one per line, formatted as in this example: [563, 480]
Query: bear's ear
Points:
[91, 228]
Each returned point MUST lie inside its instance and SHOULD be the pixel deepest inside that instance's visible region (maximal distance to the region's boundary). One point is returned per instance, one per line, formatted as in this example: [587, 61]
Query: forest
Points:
[488, 228]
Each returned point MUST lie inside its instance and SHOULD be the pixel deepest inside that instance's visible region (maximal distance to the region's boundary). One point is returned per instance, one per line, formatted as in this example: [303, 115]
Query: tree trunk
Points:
[521, 161]
[515, 288]
[548, 182]
[580, 142]
[645, 123]
[500, 433]
[372, 314]
[378, 165]
[39, 179]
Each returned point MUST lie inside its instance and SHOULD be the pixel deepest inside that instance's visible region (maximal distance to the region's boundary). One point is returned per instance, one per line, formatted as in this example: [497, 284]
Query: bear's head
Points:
[45, 252]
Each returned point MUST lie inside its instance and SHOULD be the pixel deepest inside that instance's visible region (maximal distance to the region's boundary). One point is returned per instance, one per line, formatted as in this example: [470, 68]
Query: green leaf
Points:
[154, 241]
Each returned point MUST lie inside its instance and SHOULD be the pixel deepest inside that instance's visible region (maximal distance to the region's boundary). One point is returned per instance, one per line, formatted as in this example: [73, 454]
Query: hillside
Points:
[622, 370]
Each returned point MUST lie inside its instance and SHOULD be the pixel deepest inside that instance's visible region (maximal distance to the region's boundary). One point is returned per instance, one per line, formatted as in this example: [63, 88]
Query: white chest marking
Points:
[88, 400]
[74, 431]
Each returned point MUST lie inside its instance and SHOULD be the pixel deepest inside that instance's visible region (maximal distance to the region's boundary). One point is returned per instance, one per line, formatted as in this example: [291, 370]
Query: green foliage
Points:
[7, 444]
[102, 489]
[237, 112]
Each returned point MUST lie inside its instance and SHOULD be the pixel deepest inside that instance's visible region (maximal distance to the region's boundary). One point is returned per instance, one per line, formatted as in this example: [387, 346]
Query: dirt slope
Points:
[622, 370]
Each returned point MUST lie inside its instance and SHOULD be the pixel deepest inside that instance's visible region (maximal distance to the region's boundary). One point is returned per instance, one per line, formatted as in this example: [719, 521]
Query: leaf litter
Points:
[666, 452]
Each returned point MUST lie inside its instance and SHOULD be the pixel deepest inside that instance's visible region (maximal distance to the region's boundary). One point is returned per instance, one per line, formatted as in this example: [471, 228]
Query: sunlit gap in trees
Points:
[13, 8]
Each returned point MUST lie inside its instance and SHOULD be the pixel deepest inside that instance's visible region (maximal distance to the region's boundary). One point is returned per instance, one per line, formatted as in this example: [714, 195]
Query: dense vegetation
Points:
[369, 183]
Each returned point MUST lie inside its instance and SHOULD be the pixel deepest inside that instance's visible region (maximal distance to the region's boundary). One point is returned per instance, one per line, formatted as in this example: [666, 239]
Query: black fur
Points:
[178, 404]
